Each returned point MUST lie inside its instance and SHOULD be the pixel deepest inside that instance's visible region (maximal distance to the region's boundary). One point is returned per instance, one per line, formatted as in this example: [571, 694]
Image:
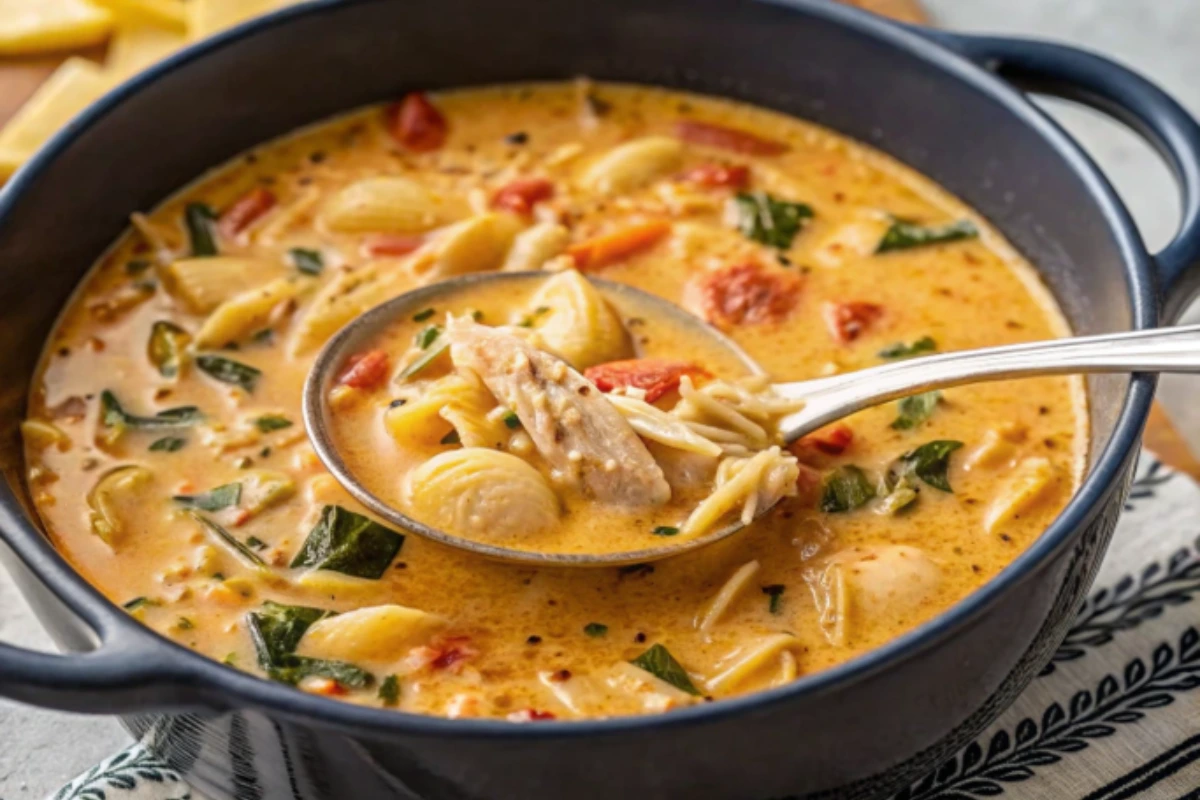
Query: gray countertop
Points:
[42, 749]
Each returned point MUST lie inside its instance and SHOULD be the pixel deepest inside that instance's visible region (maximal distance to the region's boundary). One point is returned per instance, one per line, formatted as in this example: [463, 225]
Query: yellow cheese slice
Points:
[72, 87]
[167, 13]
[136, 45]
[206, 17]
[38, 26]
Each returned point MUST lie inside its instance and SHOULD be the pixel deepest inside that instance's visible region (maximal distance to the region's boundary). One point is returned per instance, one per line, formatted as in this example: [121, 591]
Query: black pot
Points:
[939, 102]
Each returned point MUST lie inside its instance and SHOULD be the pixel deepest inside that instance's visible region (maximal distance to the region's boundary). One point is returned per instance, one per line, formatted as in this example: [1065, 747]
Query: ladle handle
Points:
[830, 399]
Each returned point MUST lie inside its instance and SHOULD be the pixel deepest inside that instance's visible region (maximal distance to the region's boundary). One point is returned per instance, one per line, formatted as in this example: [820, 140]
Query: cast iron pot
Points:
[940, 102]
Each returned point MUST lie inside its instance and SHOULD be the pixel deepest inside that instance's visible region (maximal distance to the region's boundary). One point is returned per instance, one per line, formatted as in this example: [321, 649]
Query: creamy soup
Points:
[169, 463]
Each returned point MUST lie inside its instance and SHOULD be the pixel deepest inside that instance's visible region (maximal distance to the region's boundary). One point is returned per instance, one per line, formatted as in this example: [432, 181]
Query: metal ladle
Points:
[826, 399]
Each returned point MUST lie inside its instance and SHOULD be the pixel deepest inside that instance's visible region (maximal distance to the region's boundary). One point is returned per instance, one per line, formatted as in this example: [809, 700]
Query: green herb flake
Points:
[775, 593]
[349, 543]
[272, 422]
[659, 662]
[253, 558]
[421, 316]
[925, 344]
[665, 530]
[595, 629]
[450, 438]
[477, 315]
[310, 262]
[915, 410]
[265, 336]
[212, 500]
[768, 220]
[139, 602]
[845, 489]
[230, 659]
[184, 624]
[906, 235]
[256, 543]
[389, 691]
[512, 420]
[425, 359]
[903, 491]
[227, 370]
[929, 462]
[428, 336]
[167, 444]
[166, 346]
[136, 266]
[200, 221]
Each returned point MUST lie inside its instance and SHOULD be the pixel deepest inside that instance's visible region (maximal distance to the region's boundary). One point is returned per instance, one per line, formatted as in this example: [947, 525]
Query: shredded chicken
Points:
[583, 438]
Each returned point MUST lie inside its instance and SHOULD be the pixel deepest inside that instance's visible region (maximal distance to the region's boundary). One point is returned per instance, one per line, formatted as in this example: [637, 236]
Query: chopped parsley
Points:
[421, 316]
[428, 336]
[595, 629]
[272, 422]
[775, 593]
[512, 420]
[310, 262]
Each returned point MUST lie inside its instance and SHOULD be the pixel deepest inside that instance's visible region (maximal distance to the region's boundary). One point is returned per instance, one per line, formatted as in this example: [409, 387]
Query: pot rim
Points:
[243, 690]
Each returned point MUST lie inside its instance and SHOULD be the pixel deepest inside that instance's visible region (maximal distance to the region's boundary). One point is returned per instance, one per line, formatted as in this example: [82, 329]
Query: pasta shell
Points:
[374, 634]
[481, 493]
[1032, 481]
[248, 312]
[578, 324]
[343, 299]
[116, 499]
[473, 245]
[386, 204]
[204, 283]
[634, 164]
[431, 410]
[535, 246]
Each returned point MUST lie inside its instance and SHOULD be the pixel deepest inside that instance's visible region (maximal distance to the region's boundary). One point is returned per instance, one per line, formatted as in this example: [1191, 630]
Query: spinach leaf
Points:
[346, 542]
[310, 262]
[227, 370]
[272, 422]
[166, 346]
[430, 355]
[389, 690]
[845, 489]
[906, 235]
[928, 462]
[167, 444]
[925, 344]
[212, 500]
[254, 559]
[112, 415]
[769, 220]
[201, 220]
[775, 592]
[659, 662]
[916, 409]
[276, 631]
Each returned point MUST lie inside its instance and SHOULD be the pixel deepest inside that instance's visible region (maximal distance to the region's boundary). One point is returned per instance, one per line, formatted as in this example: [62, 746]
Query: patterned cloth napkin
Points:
[1112, 716]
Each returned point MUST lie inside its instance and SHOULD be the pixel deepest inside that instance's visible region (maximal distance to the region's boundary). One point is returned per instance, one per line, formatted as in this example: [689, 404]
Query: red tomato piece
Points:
[451, 652]
[744, 294]
[523, 194]
[391, 244]
[530, 715]
[365, 370]
[326, 686]
[832, 441]
[609, 248]
[655, 376]
[244, 211]
[416, 123]
[710, 135]
[847, 321]
[714, 175]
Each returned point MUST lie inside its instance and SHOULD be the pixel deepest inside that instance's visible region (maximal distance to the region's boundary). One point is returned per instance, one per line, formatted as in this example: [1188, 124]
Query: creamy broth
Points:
[168, 460]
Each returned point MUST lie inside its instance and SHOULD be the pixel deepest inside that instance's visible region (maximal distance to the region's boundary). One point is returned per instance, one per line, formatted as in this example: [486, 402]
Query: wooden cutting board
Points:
[20, 77]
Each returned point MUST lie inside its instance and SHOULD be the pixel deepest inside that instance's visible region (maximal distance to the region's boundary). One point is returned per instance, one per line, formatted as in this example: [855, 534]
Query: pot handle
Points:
[1114, 89]
[123, 673]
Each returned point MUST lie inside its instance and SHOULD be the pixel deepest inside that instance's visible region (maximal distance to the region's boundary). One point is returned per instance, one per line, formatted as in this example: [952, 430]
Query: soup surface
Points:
[169, 463]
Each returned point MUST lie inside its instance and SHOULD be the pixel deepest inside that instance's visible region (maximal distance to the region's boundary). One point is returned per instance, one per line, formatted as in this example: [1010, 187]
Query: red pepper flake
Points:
[709, 135]
[531, 715]
[416, 123]
[450, 652]
[743, 294]
[521, 195]
[714, 175]
[245, 211]
[655, 376]
[390, 244]
[365, 370]
[848, 321]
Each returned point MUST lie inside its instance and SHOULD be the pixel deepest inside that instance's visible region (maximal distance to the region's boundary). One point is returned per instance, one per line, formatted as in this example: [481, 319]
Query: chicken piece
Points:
[583, 438]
